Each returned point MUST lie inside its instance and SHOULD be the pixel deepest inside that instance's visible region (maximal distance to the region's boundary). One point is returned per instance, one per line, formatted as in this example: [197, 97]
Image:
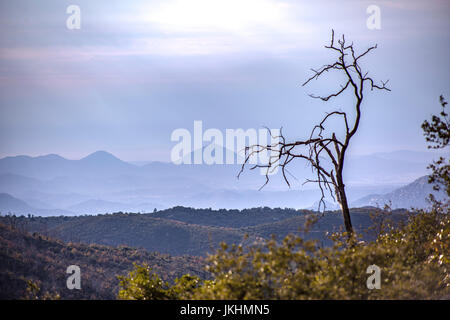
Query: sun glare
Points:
[216, 15]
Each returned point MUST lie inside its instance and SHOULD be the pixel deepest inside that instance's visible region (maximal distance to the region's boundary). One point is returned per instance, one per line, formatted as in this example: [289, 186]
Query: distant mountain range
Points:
[100, 183]
[9, 204]
[413, 195]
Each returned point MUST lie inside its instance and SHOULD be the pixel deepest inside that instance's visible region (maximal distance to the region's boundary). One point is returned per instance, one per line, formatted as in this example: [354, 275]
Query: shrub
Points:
[413, 258]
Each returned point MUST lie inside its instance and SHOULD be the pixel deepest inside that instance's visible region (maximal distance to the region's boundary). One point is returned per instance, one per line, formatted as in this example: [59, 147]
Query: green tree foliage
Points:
[414, 262]
[437, 133]
[142, 284]
[33, 292]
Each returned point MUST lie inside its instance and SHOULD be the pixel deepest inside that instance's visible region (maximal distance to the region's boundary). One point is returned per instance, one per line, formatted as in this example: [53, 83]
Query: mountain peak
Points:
[101, 155]
[51, 156]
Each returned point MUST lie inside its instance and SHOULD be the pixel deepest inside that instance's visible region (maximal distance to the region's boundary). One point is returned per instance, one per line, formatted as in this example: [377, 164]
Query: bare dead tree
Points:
[324, 152]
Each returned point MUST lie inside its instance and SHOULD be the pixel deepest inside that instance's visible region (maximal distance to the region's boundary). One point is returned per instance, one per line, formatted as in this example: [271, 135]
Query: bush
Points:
[142, 284]
[413, 258]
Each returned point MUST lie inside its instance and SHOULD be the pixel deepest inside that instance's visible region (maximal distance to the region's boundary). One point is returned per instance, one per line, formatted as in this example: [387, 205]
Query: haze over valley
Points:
[101, 183]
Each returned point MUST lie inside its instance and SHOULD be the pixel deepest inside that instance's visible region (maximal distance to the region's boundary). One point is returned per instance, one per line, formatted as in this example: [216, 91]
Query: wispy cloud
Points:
[174, 61]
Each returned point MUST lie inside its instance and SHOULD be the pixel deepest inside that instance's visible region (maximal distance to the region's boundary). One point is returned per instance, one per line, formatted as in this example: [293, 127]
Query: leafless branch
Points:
[322, 144]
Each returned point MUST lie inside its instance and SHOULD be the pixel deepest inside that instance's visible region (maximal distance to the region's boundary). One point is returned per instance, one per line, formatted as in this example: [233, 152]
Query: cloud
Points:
[217, 16]
[153, 65]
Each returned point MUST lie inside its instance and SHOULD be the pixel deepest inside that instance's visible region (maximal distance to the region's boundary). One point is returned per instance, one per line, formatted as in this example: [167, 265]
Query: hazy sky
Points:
[137, 70]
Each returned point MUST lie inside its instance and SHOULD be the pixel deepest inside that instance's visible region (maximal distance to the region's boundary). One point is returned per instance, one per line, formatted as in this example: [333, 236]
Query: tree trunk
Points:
[345, 210]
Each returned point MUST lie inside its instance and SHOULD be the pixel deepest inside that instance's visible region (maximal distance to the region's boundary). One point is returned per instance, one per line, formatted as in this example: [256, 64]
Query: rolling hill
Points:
[136, 230]
[181, 230]
[171, 241]
[25, 256]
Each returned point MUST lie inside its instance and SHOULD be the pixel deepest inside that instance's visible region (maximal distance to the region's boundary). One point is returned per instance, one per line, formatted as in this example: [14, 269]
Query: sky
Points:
[137, 70]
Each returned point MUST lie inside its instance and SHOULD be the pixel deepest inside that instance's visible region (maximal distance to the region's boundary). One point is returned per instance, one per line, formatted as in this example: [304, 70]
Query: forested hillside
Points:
[181, 230]
[43, 260]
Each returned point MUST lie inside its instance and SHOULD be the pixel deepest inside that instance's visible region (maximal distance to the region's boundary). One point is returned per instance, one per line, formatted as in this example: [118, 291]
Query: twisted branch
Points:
[320, 146]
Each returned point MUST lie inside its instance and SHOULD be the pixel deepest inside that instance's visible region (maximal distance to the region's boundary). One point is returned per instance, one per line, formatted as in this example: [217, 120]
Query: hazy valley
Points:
[101, 183]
